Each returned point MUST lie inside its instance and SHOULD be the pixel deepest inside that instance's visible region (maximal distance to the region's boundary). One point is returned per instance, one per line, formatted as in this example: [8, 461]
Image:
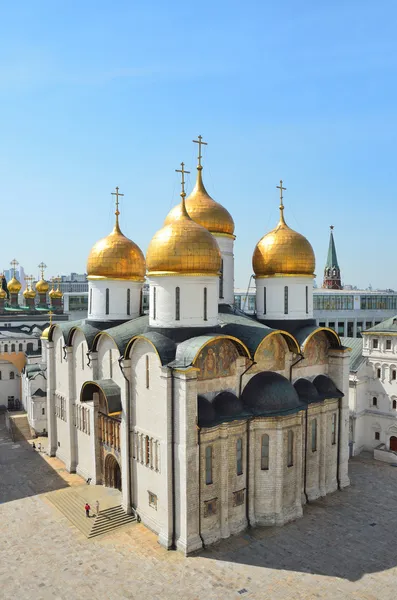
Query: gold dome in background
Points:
[14, 286]
[283, 251]
[3, 294]
[183, 247]
[204, 210]
[55, 293]
[42, 286]
[116, 256]
[29, 293]
[44, 335]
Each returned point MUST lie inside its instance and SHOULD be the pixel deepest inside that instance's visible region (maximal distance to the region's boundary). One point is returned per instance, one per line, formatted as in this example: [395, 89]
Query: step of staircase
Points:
[21, 428]
[70, 502]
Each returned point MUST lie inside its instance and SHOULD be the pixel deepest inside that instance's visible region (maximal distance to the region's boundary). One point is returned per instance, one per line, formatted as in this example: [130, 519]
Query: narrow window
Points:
[238, 497]
[374, 401]
[307, 300]
[208, 465]
[5, 347]
[221, 281]
[265, 453]
[377, 435]
[205, 304]
[333, 430]
[107, 301]
[20, 347]
[12, 375]
[394, 402]
[177, 304]
[147, 450]
[110, 364]
[147, 372]
[12, 347]
[43, 411]
[388, 344]
[290, 453]
[128, 301]
[286, 300]
[154, 304]
[314, 435]
[152, 500]
[378, 373]
[239, 456]
[393, 374]
[374, 343]
[90, 310]
[264, 300]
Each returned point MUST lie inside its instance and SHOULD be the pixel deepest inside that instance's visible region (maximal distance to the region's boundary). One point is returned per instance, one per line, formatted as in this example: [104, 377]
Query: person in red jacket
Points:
[87, 508]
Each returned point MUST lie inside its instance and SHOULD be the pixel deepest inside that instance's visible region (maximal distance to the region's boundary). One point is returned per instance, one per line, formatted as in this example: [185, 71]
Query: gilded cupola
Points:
[14, 286]
[29, 292]
[55, 291]
[202, 208]
[116, 256]
[283, 251]
[183, 246]
[42, 286]
[3, 294]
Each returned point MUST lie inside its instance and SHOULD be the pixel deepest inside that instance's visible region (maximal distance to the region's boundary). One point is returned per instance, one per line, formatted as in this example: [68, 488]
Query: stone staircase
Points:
[70, 502]
[20, 428]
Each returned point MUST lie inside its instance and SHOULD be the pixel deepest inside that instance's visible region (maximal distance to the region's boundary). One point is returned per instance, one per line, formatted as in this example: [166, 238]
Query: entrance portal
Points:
[393, 443]
[112, 472]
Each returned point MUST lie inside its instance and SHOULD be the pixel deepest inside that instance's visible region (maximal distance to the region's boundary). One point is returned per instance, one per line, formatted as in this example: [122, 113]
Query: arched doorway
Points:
[393, 443]
[112, 472]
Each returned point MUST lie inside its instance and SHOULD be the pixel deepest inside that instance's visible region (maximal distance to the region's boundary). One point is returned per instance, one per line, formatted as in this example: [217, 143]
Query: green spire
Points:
[332, 260]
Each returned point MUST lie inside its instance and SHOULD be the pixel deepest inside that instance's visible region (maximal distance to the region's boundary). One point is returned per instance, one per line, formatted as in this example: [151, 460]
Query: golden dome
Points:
[14, 286]
[204, 210]
[3, 293]
[183, 247]
[283, 251]
[42, 286]
[116, 257]
[44, 335]
[29, 293]
[55, 293]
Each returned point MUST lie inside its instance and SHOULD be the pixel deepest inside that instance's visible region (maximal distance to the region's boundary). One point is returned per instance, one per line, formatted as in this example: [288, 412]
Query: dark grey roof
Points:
[271, 394]
[40, 393]
[206, 412]
[387, 326]
[326, 387]
[227, 405]
[36, 369]
[111, 392]
[307, 391]
[356, 355]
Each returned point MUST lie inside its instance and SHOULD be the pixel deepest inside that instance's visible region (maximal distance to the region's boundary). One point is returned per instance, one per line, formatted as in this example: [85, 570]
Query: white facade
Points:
[113, 300]
[183, 301]
[285, 298]
[226, 281]
[10, 382]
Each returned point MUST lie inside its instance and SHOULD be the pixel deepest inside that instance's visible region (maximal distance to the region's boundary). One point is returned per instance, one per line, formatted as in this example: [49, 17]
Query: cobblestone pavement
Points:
[343, 547]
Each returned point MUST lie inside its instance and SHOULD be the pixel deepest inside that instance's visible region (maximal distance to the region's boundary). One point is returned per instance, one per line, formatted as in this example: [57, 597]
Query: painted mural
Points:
[271, 355]
[316, 351]
[217, 359]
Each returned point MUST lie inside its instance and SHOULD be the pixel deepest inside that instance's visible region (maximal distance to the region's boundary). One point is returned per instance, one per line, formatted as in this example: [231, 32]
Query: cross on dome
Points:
[117, 194]
[200, 142]
[42, 266]
[14, 263]
[182, 171]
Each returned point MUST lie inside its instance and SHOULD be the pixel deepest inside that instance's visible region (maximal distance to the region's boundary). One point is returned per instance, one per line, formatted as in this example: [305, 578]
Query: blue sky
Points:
[99, 94]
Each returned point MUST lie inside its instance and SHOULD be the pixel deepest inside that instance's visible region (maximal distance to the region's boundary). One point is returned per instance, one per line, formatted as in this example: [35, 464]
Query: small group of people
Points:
[38, 447]
[87, 509]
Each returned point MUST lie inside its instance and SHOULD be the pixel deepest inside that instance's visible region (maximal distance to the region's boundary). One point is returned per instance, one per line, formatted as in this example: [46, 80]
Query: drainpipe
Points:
[241, 377]
[247, 450]
[199, 478]
[338, 449]
[173, 503]
[292, 365]
[305, 465]
[127, 418]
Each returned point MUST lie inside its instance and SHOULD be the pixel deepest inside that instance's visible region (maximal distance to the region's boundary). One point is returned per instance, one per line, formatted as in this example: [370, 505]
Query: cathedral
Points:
[207, 420]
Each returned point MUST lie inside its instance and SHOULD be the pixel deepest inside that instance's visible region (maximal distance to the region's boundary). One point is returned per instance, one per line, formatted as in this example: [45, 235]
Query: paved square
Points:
[343, 547]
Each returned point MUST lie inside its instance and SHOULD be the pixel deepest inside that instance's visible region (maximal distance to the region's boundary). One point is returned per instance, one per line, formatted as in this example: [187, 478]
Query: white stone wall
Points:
[226, 246]
[117, 299]
[275, 297]
[8, 386]
[191, 304]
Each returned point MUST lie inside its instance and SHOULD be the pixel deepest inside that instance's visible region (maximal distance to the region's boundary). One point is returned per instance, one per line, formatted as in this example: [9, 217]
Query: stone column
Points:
[51, 417]
[224, 495]
[70, 407]
[279, 475]
[339, 369]
[252, 470]
[165, 461]
[323, 452]
[125, 438]
[299, 467]
[96, 468]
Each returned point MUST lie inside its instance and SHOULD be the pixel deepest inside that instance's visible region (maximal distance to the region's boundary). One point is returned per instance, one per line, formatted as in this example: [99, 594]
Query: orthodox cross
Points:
[200, 142]
[42, 266]
[50, 313]
[14, 263]
[183, 177]
[281, 188]
[117, 194]
[29, 279]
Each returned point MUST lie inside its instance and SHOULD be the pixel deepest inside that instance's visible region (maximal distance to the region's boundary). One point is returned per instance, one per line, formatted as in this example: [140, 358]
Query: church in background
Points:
[207, 420]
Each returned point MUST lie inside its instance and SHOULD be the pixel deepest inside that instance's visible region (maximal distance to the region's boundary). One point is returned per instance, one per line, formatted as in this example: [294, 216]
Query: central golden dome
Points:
[14, 286]
[204, 210]
[183, 247]
[42, 286]
[116, 257]
[283, 251]
[29, 293]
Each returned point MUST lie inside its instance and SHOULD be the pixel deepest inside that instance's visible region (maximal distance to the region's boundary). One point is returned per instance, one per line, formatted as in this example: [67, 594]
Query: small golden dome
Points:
[3, 294]
[44, 335]
[14, 286]
[55, 293]
[116, 257]
[183, 247]
[204, 210]
[29, 293]
[42, 286]
[283, 251]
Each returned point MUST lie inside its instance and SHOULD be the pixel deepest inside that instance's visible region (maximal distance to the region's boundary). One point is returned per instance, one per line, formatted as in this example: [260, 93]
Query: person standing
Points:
[97, 507]
[87, 508]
